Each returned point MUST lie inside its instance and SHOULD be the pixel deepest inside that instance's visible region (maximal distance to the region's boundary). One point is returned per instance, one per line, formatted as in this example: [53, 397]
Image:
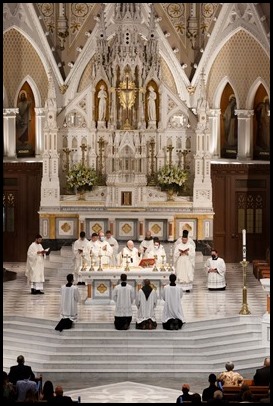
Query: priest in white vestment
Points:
[70, 297]
[105, 249]
[129, 254]
[172, 316]
[81, 251]
[184, 263]
[157, 251]
[146, 301]
[35, 266]
[190, 240]
[94, 248]
[145, 244]
[123, 295]
[216, 270]
[114, 244]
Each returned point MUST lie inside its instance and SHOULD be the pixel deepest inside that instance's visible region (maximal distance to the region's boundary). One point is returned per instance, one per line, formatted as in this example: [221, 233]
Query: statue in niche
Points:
[102, 96]
[151, 104]
[23, 118]
[263, 124]
[230, 122]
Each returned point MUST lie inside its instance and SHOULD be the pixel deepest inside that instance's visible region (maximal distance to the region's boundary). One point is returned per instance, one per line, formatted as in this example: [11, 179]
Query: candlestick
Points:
[244, 310]
[155, 267]
[100, 255]
[244, 236]
[127, 269]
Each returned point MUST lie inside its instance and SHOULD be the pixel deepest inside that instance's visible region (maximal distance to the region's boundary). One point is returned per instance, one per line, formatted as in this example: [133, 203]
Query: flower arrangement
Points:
[81, 177]
[172, 177]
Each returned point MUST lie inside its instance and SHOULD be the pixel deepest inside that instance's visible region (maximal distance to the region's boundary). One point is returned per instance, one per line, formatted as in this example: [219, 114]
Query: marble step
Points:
[79, 354]
[61, 347]
[156, 367]
[187, 332]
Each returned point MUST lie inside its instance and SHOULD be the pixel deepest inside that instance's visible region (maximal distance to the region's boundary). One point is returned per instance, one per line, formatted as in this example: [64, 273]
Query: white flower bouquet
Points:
[81, 177]
[172, 177]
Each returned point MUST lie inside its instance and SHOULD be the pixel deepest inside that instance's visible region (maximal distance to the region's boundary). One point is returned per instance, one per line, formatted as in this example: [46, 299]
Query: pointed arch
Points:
[219, 91]
[252, 92]
[41, 55]
[34, 88]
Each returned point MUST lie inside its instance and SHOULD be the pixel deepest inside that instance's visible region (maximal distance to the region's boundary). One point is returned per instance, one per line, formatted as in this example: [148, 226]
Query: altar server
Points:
[172, 316]
[146, 301]
[123, 295]
[216, 270]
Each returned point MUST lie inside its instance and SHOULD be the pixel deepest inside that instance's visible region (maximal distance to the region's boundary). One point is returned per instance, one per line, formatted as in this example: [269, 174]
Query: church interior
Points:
[136, 117]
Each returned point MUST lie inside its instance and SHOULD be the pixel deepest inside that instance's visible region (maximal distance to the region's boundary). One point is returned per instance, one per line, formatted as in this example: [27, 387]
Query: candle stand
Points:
[99, 268]
[244, 310]
[155, 267]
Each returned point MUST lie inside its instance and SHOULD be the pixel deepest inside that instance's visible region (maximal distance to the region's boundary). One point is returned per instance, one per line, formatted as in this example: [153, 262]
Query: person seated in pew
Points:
[262, 375]
[229, 377]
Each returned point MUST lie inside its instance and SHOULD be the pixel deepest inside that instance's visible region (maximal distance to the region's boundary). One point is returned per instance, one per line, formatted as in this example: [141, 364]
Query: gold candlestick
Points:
[127, 269]
[155, 267]
[244, 310]
[100, 268]
[92, 262]
[162, 268]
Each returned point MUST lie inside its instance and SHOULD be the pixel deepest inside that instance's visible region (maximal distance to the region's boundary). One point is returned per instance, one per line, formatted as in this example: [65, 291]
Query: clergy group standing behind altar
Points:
[104, 251]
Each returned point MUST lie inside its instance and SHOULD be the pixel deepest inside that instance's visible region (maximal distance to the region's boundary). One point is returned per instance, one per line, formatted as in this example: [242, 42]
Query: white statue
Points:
[102, 95]
[151, 104]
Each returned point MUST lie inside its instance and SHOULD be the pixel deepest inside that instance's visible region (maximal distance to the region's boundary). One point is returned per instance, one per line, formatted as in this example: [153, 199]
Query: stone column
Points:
[10, 132]
[245, 136]
[214, 121]
[170, 230]
[39, 125]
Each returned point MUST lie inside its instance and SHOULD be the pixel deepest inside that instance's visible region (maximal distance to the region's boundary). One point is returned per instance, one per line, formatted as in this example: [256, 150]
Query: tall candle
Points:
[244, 237]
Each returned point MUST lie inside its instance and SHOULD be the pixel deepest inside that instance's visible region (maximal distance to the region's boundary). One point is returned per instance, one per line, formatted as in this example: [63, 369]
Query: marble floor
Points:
[200, 304]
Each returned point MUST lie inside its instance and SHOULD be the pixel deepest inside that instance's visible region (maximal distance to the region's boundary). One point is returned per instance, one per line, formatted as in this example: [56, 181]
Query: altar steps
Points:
[99, 348]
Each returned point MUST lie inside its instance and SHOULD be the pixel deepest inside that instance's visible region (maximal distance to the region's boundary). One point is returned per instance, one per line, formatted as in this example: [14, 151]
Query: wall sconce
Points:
[70, 64]
[87, 33]
[79, 49]
[184, 66]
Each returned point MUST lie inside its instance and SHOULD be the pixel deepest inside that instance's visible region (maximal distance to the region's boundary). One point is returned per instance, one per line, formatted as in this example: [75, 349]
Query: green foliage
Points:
[81, 177]
[172, 177]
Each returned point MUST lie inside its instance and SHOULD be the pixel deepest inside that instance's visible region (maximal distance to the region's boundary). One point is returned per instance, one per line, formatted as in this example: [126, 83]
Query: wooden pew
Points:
[231, 393]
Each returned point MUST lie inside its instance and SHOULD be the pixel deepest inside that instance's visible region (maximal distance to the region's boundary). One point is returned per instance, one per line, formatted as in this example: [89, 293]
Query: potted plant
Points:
[172, 178]
[81, 178]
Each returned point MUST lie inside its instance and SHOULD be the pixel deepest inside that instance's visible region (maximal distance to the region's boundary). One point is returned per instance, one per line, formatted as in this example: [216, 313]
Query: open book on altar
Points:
[147, 262]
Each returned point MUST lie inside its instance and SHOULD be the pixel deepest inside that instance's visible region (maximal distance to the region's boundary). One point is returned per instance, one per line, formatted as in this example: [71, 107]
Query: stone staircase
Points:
[200, 347]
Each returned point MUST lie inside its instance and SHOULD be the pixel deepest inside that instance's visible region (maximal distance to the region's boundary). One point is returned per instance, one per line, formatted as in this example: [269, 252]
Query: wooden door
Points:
[241, 201]
[21, 203]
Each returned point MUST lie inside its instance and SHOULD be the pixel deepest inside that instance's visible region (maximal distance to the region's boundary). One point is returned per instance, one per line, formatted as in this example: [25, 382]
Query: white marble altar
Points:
[100, 284]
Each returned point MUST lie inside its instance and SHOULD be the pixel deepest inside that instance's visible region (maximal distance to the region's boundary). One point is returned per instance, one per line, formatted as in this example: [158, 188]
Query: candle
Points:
[244, 237]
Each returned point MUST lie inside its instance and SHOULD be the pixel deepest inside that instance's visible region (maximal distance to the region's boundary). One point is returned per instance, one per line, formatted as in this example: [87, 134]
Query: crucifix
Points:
[127, 95]
[83, 148]
[67, 153]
